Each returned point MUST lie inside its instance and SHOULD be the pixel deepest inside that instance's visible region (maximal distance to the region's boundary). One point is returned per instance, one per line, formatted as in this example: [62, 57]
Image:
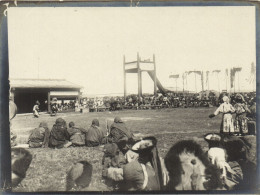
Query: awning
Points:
[64, 93]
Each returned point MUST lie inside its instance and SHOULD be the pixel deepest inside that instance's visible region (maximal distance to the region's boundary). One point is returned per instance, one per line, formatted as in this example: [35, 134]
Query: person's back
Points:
[119, 131]
[59, 134]
[77, 135]
[39, 136]
[95, 135]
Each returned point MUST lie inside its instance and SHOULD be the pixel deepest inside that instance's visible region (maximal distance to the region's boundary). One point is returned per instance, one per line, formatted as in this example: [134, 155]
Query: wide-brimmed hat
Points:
[213, 139]
[145, 145]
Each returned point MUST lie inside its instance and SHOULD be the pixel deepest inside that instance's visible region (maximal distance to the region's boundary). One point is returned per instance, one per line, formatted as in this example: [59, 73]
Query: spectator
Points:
[59, 136]
[95, 135]
[39, 136]
[77, 135]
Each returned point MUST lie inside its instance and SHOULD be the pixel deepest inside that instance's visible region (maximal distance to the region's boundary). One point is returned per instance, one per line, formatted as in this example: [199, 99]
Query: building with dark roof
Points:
[25, 92]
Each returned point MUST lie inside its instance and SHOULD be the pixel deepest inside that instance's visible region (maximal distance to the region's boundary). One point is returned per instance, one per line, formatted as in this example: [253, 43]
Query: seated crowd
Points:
[132, 163]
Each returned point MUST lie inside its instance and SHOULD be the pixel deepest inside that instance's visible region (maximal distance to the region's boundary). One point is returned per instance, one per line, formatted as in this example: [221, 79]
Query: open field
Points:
[48, 169]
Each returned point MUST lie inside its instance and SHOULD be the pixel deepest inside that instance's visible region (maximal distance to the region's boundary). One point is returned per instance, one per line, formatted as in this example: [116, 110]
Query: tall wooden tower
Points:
[138, 67]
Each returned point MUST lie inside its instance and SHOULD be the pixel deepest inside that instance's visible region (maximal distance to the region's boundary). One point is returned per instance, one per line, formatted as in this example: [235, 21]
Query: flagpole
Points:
[176, 84]
[226, 79]
[218, 83]
[238, 82]
[195, 82]
[208, 81]
[234, 82]
[183, 82]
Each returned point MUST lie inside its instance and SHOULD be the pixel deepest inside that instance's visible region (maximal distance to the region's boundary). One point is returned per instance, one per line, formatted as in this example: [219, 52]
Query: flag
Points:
[217, 71]
[232, 77]
[252, 74]
[237, 69]
[197, 72]
[174, 76]
[207, 77]
[233, 74]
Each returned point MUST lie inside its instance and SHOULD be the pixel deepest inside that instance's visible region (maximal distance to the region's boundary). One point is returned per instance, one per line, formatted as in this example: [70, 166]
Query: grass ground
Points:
[47, 171]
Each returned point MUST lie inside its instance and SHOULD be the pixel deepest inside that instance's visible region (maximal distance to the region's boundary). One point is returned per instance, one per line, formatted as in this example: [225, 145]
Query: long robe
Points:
[77, 135]
[227, 124]
[240, 122]
[39, 137]
[119, 131]
[94, 136]
[59, 136]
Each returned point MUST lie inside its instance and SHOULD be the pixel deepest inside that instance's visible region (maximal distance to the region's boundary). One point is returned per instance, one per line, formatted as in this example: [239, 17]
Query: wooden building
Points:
[25, 92]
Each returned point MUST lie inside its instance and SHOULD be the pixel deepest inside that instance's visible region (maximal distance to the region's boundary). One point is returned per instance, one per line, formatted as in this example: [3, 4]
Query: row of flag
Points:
[233, 72]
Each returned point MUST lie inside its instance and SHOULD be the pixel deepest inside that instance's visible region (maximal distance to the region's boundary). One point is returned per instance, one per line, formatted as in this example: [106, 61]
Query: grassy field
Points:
[47, 171]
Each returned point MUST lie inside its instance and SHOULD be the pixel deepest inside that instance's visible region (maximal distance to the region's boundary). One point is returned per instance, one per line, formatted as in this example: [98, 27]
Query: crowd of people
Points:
[148, 101]
[133, 163]
[171, 100]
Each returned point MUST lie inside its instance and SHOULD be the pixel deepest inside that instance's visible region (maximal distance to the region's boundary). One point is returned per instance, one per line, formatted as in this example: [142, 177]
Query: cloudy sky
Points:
[86, 45]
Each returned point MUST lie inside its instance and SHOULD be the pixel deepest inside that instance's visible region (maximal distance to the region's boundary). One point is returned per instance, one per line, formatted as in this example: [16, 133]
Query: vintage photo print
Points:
[130, 96]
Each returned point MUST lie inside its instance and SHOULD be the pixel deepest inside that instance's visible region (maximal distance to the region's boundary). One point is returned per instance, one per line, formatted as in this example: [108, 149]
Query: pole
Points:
[124, 78]
[176, 84]
[183, 82]
[238, 82]
[186, 81]
[234, 82]
[202, 80]
[218, 83]
[230, 75]
[195, 82]
[49, 102]
[155, 79]
[208, 81]
[138, 76]
[226, 79]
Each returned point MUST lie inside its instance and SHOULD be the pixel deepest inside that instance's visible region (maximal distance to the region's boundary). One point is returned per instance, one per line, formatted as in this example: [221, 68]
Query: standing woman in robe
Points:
[241, 120]
[227, 124]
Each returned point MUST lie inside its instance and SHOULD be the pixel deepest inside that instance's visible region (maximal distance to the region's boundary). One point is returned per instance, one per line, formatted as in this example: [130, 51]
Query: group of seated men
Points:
[61, 136]
[134, 165]
[131, 163]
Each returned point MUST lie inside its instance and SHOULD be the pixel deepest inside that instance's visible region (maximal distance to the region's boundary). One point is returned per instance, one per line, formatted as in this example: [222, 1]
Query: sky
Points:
[86, 45]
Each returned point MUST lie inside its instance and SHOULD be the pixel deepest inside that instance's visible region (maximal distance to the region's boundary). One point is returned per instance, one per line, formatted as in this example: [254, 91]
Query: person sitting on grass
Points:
[95, 134]
[40, 136]
[77, 135]
[119, 131]
[59, 136]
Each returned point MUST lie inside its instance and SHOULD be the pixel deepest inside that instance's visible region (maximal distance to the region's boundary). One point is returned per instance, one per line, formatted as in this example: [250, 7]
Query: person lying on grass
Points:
[59, 136]
[77, 135]
[39, 136]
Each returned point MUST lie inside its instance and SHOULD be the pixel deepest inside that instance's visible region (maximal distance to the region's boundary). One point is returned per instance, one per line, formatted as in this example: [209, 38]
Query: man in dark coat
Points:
[119, 131]
[77, 135]
[59, 136]
[40, 136]
[95, 135]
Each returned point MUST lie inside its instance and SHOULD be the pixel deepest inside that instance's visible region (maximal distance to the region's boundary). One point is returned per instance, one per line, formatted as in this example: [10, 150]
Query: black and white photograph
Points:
[130, 96]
